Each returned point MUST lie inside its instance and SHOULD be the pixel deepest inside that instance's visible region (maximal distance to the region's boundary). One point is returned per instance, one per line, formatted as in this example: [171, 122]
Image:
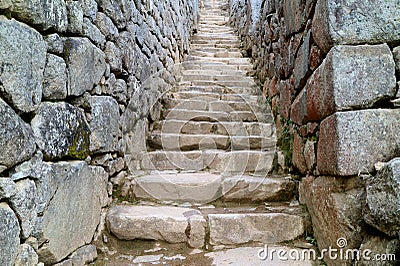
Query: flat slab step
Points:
[205, 187]
[234, 229]
[198, 115]
[170, 224]
[214, 106]
[188, 225]
[186, 142]
[215, 161]
[221, 128]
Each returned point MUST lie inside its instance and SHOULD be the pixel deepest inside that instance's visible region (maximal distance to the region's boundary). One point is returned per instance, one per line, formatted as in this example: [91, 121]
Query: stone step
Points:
[216, 45]
[221, 82]
[213, 42]
[215, 116]
[235, 229]
[202, 188]
[236, 54]
[227, 80]
[213, 96]
[201, 65]
[216, 105]
[170, 224]
[216, 71]
[215, 49]
[187, 142]
[216, 161]
[228, 61]
[255, 90]
[222, 128]
[188, 225]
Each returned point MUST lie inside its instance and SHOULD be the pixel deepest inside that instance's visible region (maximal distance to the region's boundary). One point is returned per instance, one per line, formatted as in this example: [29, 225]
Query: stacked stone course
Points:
[330, 70]
[78, 81]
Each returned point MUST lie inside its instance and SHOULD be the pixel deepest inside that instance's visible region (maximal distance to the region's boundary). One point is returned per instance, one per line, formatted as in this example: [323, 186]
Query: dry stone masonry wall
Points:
[78, 83]
[330, 71]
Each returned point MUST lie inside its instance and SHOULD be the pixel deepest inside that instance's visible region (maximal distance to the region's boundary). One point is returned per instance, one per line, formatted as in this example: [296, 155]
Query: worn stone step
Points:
[217, 105]
[222, 128]
[216, 71]
[170, 224]
[221, 82]
[218, 54]
[235, 78]
[229, 45]
[235, 229]
[210, 66]
[213, 116]
[188, 225]
[186, 142]
[205, 187]
[213, 96]
[215, 49]
[254, 90]
[228, 61]
[216, 161]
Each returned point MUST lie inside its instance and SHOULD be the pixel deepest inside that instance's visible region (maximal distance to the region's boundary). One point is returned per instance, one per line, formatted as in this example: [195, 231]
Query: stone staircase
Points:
[205, 178]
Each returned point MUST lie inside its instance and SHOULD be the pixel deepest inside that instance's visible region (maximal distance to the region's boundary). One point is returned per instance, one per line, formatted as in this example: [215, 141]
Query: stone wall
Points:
[79, 83]
[331, 72]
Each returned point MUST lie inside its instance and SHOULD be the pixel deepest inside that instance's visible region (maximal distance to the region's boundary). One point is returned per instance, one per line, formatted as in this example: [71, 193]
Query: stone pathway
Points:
[204, 185]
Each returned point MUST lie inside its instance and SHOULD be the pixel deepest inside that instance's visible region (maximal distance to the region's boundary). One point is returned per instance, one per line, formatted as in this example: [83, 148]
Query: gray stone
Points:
[352, 142]
[77, 204]
[396, 55]
[104, 124]
[86, 65]
[7, 188]
[349, 22]
[113, 57]
[335, 206]
[26, 256]
[90, 9]
[383, 199]
[379, 246]
[120, 91]
[253, 189]
[45, 14]
[106, 26]
[61, 130]
[25, 205]
[15, 135]
[351, 77]
[9, 235]
[250, 227]
[22, 60]
[84, 255]
[5, 4]
[170, 224]
[55, 44]
[93, 33]
[75, 16]
[111, 8]
[55, 78]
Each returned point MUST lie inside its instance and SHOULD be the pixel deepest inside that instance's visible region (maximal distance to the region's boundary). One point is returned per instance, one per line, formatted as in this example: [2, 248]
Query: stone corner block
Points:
[352, 142]
[350, 77]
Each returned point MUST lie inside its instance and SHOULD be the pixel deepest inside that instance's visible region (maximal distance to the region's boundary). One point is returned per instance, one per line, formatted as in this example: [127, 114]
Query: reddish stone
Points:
[272, 87]
[279, 126]
[298, 159]
[315, 57]
[275, 105]
[335, 206]
[310, 155]
[285, 99]
[298, 112]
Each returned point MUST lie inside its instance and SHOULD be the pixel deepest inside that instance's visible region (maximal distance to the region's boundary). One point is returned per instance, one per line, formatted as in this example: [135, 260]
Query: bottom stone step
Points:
[170, 224]
[186, 225]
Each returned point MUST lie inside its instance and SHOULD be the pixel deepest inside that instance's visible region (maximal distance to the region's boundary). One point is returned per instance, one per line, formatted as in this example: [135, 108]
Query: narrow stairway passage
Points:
[205, 179]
